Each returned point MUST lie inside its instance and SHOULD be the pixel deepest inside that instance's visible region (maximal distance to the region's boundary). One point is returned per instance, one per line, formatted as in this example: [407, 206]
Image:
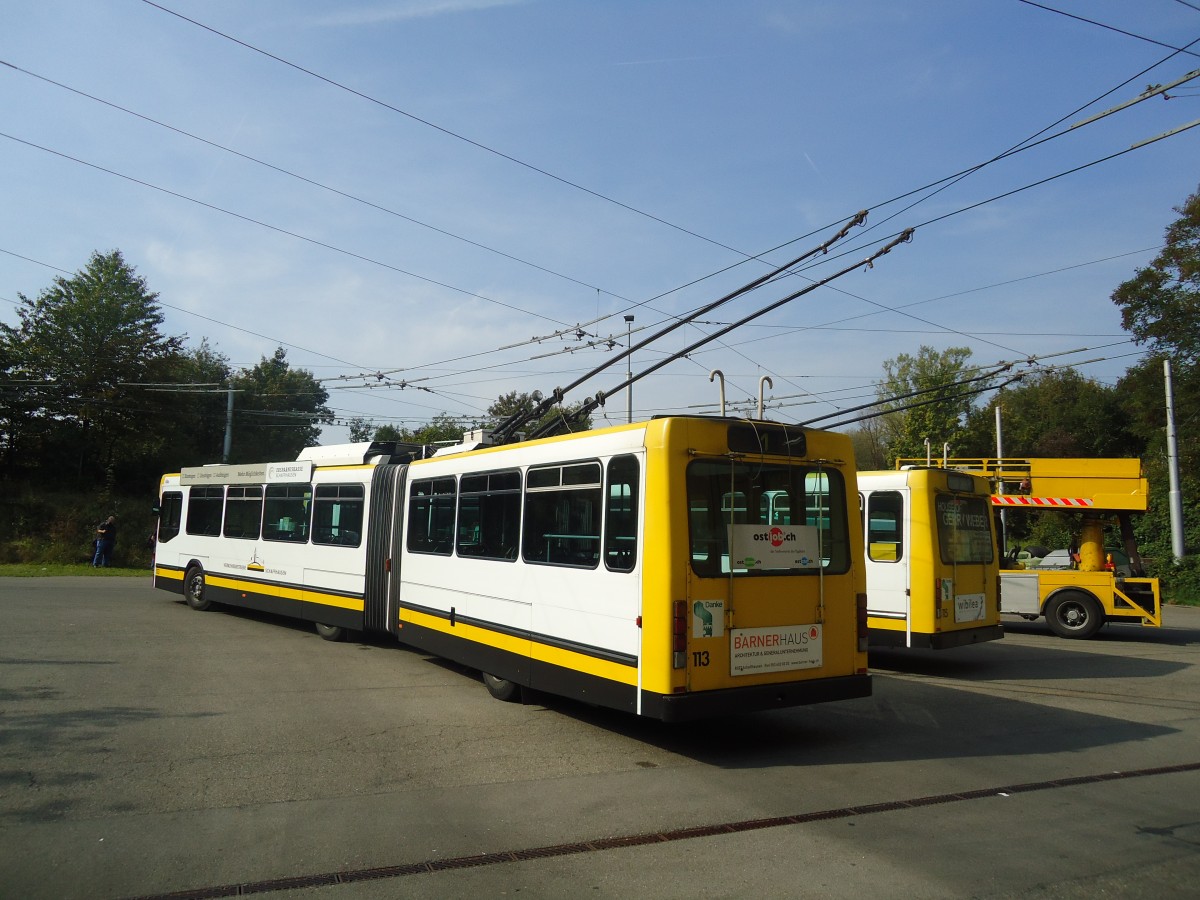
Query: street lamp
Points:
[629, 369]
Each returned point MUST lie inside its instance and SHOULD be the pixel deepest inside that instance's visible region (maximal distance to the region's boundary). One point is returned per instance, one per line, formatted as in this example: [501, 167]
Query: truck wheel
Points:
[1074, 614]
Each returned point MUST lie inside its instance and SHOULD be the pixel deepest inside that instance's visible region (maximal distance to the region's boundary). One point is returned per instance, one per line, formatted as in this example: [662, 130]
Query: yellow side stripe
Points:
[559, 656]
[303, 595]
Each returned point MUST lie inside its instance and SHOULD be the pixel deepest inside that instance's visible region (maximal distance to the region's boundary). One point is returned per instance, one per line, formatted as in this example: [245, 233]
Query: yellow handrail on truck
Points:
[1076, 601]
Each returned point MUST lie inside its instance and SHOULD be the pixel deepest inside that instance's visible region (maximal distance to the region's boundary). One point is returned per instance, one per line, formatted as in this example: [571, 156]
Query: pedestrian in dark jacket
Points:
[106, 540]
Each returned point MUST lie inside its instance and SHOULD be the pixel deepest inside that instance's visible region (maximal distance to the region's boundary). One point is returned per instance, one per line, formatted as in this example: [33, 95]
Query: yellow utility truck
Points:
[1089, 589]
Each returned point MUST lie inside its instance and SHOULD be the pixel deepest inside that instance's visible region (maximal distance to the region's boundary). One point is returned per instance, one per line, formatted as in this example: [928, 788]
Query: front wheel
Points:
[1074, 614]
[502, 688]
[193, 589]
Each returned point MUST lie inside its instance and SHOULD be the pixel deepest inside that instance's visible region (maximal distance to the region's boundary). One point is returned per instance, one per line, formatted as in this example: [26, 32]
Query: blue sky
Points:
[490, 172]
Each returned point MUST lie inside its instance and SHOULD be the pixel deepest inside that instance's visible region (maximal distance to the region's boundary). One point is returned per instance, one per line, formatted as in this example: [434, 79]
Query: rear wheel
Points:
[193, 589]
[502, 688]
[1074, 614]
[331, 632]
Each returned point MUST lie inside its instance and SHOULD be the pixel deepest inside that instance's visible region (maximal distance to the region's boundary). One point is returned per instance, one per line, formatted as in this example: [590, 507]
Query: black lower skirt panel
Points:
[603, 692]
[942, 640]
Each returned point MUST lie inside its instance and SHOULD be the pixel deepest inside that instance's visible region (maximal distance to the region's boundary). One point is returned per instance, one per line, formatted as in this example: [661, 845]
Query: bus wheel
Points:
[1074, 614]
[331, 632]
[193, 589]
[501, 688]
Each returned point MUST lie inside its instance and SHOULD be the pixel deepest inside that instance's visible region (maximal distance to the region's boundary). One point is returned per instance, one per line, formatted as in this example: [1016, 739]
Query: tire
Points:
[1074, 614]
[501, 688]
[332, 632]
[193, 589]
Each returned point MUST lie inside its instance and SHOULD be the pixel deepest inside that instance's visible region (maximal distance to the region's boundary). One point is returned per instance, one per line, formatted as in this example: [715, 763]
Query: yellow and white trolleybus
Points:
[933, 573]
[675, 568]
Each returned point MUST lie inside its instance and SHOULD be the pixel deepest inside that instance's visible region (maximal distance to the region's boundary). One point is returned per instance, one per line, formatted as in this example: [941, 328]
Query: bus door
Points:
[888, 556]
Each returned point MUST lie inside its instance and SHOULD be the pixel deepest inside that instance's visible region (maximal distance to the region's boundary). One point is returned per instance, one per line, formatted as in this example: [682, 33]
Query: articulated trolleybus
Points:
[675, 568]
[933, 573]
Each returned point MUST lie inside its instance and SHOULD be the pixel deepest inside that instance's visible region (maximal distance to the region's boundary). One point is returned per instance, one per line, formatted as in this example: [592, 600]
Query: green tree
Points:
[938, 414]
[1057, 413]
[81, 348]
[1160, 305]
[194, 385]
[363, 429]
[513, 402]
[278, 410]
[870, 450]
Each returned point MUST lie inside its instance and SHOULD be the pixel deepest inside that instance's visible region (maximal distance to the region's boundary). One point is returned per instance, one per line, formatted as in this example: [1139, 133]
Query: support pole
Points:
[228, 426]
[999, 488]
[1175, 498]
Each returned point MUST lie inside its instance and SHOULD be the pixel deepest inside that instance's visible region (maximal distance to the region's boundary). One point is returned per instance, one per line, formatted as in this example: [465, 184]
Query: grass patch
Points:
[35, 570]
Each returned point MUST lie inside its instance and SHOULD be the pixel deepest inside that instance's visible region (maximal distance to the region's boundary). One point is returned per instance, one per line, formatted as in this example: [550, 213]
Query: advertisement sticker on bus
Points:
[753, 651]
[773, 547]
[969, 607]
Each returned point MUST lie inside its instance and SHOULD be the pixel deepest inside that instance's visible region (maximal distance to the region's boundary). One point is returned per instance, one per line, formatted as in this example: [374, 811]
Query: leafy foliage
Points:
[279, 410]
[938, 414]
[94, 395]
[513, 402]
[1055, 413]
[82, 349]
[1160, 305]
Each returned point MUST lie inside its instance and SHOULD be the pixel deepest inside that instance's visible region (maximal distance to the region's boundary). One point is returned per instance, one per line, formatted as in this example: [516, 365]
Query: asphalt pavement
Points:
[149, 750]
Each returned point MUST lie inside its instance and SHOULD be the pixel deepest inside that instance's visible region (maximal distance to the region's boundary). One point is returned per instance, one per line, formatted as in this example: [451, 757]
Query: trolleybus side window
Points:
[885, 526]
[338, 514]
[621, 517]
[489, 515]
[562, 514]
[286, 510]
[170, 511]
[431, 516]
[243, 511]
[204, 510]
[724, 495]
[964, 528]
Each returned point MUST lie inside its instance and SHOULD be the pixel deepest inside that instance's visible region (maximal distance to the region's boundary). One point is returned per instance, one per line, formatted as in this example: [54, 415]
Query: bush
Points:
[1180, 580]
[60, 528]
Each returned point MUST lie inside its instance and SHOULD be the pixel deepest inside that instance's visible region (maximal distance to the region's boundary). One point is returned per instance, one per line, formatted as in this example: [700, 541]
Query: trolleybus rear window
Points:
[964, 528]
[781, 503]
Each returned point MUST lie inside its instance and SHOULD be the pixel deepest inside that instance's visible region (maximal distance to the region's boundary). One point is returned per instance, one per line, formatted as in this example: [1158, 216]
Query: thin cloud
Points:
[404, 11]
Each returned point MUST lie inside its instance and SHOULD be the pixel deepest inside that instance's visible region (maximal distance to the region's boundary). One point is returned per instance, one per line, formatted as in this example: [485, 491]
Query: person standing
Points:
[106, 539]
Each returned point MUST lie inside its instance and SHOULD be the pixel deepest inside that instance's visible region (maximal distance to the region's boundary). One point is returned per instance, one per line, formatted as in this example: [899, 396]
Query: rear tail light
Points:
[679, 635]
[861, 616]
